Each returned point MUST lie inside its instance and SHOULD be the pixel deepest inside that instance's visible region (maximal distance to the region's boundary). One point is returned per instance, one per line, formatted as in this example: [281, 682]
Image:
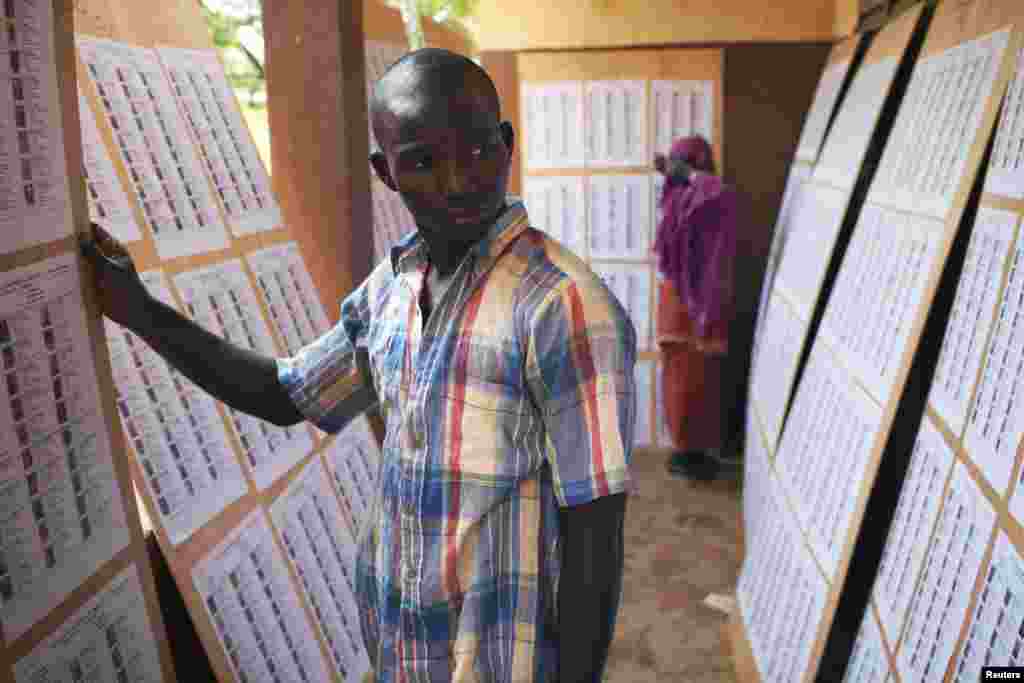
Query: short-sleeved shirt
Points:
[517, 397]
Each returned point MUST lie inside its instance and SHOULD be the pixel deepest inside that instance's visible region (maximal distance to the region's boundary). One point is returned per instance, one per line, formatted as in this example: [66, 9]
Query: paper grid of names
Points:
[231, 159]
[1006, 166]
[108, 203]
[926, 155]
[826, 96]
[811, 229]
[557, 205]
[155, 146]
[939, 602]
[847, 143]
[62, 514]
[221, 300]
[777, 355]
[971, 318]
[782, 595]
[288, 291]
[869, 662]
[830, 415]
[916, 511]
[879, 293]
[322, 553]
[256, 613]
[34, 203]
[174, 429]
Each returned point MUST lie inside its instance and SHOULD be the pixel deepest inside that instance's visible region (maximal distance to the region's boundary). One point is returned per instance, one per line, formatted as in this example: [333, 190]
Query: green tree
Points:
[236, 27]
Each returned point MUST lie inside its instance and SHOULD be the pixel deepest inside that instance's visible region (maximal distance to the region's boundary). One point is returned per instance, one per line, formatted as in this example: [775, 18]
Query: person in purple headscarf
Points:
[695, 249]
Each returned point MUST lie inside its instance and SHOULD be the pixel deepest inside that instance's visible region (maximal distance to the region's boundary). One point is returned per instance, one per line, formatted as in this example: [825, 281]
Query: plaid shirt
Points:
[517, 397]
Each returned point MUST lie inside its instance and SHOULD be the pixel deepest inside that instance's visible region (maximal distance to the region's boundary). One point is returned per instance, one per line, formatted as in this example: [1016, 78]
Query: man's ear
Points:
[508, 135]
[380, 166]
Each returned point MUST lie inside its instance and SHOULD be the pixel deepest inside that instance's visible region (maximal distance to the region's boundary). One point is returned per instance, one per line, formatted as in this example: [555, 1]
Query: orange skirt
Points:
[691, 374]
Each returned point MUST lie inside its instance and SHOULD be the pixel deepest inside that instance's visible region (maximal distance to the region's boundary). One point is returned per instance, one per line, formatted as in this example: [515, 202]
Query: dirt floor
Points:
[682, 543]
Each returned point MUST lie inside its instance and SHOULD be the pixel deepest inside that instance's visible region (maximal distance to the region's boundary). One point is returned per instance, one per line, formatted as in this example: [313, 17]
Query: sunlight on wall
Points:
[256, 119]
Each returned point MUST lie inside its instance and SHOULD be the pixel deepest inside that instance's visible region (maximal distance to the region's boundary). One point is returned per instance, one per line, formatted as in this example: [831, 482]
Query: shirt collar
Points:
[410, 253]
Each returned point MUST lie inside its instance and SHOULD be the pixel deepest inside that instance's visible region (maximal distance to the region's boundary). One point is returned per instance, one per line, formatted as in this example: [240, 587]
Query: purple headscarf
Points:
[696, 239]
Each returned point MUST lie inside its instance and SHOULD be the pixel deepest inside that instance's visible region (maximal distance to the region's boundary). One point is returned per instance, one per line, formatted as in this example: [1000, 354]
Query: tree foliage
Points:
[236, 27]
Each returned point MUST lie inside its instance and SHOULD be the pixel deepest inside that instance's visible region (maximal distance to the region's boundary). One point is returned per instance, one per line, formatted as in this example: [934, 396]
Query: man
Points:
[503, 369]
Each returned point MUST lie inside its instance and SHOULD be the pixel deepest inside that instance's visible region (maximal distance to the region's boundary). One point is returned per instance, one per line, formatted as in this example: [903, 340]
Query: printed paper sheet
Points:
[109, 638]
[322, 553]
[904, 551]
[939, 603]
[841, 157]
[108, 203]
[995, 633]
[256, 613]
[230, 157]
[619, 222]
[34, 201]
[62, 515]
[154, 143]
[174, 429]
[557, 205]
[616, 125]
[1006, 166]
[971, 319]
[995, 421]
[353, 461]
[681, 109]
[830, 415]
[296, 313]
[926, 155]
[879, 293]
[553, 115]
[220, 299]
[826, 96]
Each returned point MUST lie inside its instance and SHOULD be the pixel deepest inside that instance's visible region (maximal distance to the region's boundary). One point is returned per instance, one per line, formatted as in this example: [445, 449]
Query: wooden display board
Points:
[963, 493]
[817, 204]
[826, 96]
[257, 522]
[572, 178]
[870, 330]
[77, 596]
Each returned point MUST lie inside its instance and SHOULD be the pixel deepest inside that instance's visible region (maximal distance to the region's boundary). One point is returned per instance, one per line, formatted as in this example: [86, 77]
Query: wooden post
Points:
[316, 92]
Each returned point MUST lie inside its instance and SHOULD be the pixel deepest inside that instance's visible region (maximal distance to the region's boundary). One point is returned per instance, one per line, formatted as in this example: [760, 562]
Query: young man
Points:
[504, 371]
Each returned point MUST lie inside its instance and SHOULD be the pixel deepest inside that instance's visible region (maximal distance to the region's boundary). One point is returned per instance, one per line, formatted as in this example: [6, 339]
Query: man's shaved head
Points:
[442, 147]
[423, 81]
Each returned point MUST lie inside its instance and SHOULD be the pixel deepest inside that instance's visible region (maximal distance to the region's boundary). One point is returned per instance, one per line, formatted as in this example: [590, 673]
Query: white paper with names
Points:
[616, 126]
[232, 161]
[553, 114]
[290, 295]
[34, 203]
[220, 299]
[108, 203]
[109, 639]
[812, 136]
[174, 429]
[256, 613]
[62, 513]
[322, 552]
[154, 143]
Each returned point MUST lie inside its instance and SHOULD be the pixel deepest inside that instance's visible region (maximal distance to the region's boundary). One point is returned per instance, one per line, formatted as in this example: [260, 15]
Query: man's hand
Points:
[369, 677]
[121, 295]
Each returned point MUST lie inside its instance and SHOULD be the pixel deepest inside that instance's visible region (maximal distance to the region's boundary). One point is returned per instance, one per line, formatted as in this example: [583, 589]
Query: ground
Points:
[682, 543]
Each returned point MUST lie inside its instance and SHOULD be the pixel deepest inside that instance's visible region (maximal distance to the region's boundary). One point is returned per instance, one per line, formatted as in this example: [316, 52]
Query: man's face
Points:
[448, 156]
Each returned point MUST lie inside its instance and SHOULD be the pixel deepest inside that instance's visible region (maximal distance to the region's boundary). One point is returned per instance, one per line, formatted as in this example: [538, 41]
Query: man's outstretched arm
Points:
[243, 379]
